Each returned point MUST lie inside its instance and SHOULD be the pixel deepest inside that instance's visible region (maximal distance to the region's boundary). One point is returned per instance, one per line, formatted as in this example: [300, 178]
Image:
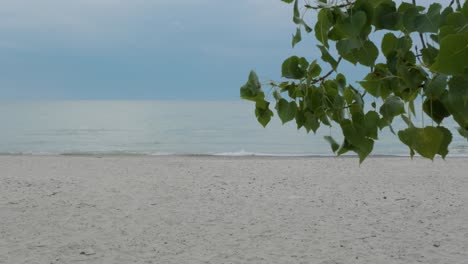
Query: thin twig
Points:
[321, 79]
[339, 6]
[420, 34]
[418, 56]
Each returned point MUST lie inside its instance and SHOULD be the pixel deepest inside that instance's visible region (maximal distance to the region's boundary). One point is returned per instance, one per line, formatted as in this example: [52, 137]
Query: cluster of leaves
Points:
[423, 53]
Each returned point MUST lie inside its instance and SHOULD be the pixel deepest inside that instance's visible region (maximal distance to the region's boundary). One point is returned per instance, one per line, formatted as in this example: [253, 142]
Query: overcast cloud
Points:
[141, 49]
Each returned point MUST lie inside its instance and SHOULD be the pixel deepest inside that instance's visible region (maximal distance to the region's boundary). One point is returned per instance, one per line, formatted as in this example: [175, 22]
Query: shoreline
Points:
[279, 156]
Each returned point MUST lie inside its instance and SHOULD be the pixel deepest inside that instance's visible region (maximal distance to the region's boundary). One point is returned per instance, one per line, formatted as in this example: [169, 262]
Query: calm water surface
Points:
[160, 128]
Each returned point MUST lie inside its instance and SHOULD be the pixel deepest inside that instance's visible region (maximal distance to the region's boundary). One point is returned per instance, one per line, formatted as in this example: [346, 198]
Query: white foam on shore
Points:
[241, 153]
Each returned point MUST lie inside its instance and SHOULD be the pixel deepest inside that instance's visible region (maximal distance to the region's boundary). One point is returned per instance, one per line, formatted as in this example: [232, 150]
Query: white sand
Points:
[232, 210]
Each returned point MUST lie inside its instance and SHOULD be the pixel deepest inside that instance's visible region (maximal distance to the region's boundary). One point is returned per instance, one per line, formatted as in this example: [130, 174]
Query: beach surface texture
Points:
[178, 209]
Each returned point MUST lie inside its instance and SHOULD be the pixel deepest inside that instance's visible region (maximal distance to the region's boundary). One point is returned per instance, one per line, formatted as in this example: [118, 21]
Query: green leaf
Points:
[327, 57]
[453, 55]
[465, 9]
[297, 37]
[349, 95]
[406, 7]
[365, 149]
[294, 67]
[376, 3]
[276, 95]
[252, 90]
[293, 90]
[345, 48]
[334, 145]
[389, 43]
[443, 16]
[352, 26]
[323, 25]
[286, 110]
[455, 23]
[366, 7]
[429, 55]
[380, 82]
[354, 142]
[422, 23]
[367, 54]
[386, 16]
[407, 120]
[357, 142]
[425, 141]
[409, 15]
[430, 21]
[411, 107]
[298, 92]
[341, 80]
[356, 50]
[456, 100]
[314, 70]
[344, 148]
[411, 81]
[337, 104]
[300, 118]
[447, 139]
[324, 119]
[288, 1]
[392, 107]
[371, 123]
[397, 51]
[463, 132]
[263, 113]
[435, 109]
[311, 122]
[313, 100]
[330, 88]
[297, 17]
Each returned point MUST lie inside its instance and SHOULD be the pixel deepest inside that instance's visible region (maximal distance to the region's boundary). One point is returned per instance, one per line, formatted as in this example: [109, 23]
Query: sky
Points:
[141, 49]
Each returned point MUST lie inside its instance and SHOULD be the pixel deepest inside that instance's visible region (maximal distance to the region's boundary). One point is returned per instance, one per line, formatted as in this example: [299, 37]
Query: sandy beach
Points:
[176, 209]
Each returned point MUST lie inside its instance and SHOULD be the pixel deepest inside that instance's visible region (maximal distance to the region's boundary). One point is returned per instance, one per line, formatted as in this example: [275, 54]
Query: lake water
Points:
[164, 128]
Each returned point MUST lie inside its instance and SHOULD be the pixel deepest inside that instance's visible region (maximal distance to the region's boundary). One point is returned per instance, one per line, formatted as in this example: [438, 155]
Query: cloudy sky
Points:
[140, 49]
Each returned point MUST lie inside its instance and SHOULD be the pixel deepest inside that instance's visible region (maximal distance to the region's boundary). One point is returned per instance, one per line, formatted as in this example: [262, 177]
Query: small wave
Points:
[115, 153]
[234, 154]
[241, 153]
[244, 153]
[28, 153]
